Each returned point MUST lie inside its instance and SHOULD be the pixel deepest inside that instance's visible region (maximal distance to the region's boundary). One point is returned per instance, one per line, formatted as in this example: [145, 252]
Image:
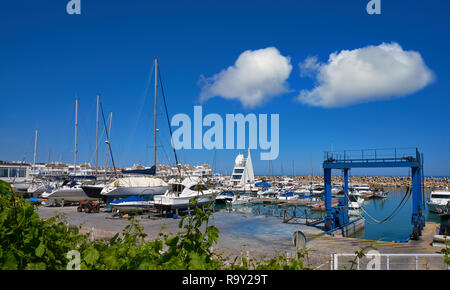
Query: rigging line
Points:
[168, 122]
[109, 143]
[23, 160]
[93, 151]
[139, 108]
[164, 151]
[162, 139]
[87, 138]
[83, 125]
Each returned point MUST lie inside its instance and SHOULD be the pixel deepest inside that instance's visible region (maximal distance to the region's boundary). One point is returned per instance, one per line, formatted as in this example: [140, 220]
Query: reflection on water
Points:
[398, 228]
[271, 209]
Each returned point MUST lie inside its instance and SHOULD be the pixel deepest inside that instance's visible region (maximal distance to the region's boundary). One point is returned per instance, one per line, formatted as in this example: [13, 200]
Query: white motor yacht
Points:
[179, 194]
[224, 197]
[361, 188]
[69, 191]
[439, 201]
[355, 200]
[240, 200]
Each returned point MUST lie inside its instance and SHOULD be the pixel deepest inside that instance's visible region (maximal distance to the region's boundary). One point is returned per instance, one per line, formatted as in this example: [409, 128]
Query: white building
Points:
[17, 171]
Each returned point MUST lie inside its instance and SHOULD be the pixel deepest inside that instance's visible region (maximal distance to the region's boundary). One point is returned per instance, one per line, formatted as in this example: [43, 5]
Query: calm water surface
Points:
[398, 228]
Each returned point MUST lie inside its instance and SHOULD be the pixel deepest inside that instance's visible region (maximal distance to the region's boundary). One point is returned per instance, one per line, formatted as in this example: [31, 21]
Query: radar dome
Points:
[239, 162]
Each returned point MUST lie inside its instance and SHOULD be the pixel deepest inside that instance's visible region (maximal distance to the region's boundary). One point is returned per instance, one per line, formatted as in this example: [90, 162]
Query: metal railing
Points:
[372, 155]
[386, 261]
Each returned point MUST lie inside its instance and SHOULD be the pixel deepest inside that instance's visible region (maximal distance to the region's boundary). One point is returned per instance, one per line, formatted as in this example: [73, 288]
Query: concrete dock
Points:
[243, 234]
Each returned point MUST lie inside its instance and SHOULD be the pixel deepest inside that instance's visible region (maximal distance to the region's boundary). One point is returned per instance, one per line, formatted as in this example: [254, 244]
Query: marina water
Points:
[398, 228]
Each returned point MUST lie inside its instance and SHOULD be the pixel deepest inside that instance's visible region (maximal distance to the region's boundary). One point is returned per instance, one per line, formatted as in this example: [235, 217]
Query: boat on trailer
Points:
[132, 204]
[140, 185]
[180, 194]
[68, 191]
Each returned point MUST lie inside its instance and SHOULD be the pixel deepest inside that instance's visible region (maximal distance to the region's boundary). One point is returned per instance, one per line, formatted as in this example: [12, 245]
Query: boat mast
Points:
[293, 169]
[109, 139]
[76, 133]
[96, 136]
[154, 121]
[245, 181]
[35, 148]
[214, 163]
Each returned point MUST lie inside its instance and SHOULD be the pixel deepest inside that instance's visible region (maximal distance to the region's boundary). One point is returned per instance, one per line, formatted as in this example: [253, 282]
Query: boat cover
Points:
[137, 181]
[262, 184]
[34, 199]
[146, 171]
[128, 199]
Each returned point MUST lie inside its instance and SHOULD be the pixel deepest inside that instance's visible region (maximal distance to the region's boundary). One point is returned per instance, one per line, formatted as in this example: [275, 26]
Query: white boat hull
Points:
[169, 202]
[241, 201]
[134, 191]
[134, 206]
[434, 207]
[75, 194]
[21, 186]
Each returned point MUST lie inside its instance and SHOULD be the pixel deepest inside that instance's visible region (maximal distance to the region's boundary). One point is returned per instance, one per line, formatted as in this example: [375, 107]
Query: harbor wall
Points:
[350, 229]
[376, 181]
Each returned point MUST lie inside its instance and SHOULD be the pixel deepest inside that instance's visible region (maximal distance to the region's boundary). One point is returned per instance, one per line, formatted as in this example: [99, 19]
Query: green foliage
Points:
[28, 242]
[361, 254]
[446, 252]
[189, 249]
[279, 262]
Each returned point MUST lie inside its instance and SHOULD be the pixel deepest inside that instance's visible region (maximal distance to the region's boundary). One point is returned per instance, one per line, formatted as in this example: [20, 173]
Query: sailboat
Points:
[38, 185]
[70, 190]
[94, 190]
[138, 182]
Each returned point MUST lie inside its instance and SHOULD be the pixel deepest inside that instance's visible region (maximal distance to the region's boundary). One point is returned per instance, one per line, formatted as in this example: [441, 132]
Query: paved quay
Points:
[256, 236]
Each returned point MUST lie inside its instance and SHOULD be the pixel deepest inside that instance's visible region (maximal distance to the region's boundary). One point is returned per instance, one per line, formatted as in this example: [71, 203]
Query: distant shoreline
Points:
[374, 181]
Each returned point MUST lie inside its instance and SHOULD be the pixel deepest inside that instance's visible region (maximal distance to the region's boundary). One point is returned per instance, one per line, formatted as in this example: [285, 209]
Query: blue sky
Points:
[48, 57]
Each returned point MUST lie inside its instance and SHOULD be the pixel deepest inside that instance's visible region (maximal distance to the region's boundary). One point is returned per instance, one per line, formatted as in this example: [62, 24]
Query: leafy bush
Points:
[28, 242]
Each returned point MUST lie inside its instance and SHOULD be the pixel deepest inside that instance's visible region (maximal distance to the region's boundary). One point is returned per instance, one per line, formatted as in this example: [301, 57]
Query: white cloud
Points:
[366, 74]
[256, 77]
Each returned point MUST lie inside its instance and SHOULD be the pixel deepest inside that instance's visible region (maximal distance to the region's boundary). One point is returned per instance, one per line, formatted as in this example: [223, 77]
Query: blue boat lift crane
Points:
[374, 158]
